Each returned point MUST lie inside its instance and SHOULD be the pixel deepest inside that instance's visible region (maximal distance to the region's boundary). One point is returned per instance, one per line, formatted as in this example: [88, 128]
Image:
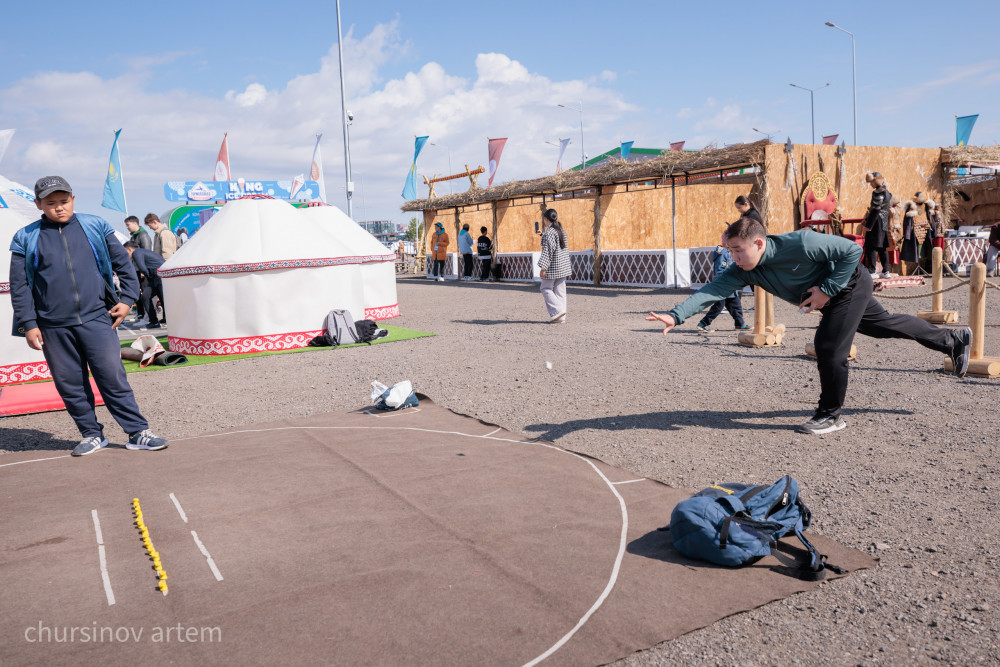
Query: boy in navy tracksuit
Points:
[65, 304]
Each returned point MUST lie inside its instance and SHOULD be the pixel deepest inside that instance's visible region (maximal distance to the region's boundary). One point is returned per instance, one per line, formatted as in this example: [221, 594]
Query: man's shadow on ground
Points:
[677, 420]
[30, 439]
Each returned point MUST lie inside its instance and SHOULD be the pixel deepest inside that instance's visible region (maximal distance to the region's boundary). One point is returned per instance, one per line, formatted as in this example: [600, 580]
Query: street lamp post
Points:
[346, 117]
[583, 155]
[812, 107]
[450, 172]
[854, 70]
[766, 134]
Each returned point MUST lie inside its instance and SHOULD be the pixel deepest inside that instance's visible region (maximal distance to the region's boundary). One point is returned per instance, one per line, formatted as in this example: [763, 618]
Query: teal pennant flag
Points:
[410, 188]
[114, 187]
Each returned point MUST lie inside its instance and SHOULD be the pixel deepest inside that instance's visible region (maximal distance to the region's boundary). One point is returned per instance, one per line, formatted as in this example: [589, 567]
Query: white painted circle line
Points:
[48, 458]
[104, 561]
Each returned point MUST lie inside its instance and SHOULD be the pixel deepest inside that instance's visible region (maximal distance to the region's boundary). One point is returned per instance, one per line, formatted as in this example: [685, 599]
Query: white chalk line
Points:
[498, 428]
[180, 510]
[630, 481]
[201, 547]
[48, 458]
[204, 551]
[382, 414]
[104, 560]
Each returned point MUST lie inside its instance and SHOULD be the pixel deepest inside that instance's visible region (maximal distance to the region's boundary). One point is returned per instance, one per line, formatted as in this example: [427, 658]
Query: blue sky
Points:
[176, 76]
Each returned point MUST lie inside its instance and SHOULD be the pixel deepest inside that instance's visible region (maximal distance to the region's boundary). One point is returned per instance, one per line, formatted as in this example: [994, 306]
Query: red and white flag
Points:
[222, 172]
[316, 170]
[677, 145]
[830, 140]
[495, 149]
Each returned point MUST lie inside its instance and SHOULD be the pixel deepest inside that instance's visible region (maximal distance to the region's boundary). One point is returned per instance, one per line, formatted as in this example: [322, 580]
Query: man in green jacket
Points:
[818, 272]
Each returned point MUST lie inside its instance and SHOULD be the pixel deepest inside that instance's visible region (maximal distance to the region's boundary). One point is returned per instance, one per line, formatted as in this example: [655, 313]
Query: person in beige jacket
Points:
[164, 241]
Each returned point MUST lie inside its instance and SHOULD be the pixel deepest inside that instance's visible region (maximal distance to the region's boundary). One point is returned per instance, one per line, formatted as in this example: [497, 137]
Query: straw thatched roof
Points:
[670, 163]
[963, 155]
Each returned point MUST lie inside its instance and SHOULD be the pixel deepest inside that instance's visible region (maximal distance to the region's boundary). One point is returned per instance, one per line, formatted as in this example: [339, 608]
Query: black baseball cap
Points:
[46, 185]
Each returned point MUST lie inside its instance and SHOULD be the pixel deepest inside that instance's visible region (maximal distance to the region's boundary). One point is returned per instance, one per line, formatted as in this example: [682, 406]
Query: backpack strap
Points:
[815, 569]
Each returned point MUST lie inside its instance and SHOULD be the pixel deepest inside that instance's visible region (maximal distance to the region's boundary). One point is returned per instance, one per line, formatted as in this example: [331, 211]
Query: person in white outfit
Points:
[554, 267]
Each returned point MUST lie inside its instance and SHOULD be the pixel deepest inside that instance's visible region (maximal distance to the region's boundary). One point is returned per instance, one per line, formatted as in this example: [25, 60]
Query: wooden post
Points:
[937, 314]
[769, 311]
[763, 334]
[979, 365]
[977, 309]
[598, 256]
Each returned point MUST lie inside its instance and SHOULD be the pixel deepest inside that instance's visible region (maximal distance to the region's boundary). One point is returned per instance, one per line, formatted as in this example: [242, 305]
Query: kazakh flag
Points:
[410, 188]
[963, 129]
[114, 187]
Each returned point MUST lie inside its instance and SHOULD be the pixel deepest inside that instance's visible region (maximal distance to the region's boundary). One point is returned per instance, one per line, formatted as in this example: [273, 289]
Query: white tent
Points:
[18, 362]
[262, 275]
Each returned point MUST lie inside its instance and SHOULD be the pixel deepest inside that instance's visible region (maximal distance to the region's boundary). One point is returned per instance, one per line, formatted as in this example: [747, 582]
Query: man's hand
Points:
[118, 314]
[34, 337]
[668, 321]
[541, 274]
[817, 299]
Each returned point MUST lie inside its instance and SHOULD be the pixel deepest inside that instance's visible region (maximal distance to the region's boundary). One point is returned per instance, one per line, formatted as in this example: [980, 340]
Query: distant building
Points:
[386, 231]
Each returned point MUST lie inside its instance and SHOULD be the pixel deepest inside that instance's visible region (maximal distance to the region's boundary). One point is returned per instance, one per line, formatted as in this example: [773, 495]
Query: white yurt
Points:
[262, 275]
[18, 362]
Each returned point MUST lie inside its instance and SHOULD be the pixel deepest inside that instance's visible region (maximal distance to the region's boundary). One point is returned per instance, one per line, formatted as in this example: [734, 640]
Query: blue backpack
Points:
[738, 524]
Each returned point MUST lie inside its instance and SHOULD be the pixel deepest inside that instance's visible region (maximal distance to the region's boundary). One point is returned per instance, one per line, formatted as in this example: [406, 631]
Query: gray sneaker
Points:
[819, 425]
[960, 354]
[146, 440]
[90, 445]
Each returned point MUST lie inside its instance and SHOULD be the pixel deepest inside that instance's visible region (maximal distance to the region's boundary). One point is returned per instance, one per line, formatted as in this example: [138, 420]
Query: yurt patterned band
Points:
[4, 288]
[272, 266]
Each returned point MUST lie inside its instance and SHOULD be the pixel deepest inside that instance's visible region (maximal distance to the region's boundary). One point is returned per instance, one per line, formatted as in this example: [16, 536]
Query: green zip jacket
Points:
[790, 265]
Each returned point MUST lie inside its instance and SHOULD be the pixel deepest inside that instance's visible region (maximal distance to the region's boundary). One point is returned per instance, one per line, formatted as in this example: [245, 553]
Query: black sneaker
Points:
[960, 354]
[819, 425]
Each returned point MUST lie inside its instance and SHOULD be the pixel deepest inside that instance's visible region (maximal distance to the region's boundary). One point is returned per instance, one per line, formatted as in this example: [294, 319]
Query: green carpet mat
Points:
[395, 334]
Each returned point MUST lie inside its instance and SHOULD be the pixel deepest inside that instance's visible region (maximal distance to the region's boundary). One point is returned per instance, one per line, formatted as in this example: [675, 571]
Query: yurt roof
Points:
[260, 234]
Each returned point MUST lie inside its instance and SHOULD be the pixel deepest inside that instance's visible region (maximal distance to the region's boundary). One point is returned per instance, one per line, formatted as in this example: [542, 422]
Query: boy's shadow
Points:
[676, 420]
[30, 439]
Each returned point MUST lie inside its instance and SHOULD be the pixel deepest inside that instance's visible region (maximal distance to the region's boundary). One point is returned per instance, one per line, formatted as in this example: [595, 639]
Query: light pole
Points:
[347, 118]
[766, 134]
[583, 155]
[450, 172]
[812, 107]
[854, 70]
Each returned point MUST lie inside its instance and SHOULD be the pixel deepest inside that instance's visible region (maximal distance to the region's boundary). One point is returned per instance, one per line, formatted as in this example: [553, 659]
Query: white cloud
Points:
[609, 76]
[66, 120]
[253, 95]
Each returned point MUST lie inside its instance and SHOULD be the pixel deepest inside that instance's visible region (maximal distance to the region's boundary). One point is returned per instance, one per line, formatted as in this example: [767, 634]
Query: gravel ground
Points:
[911, 480]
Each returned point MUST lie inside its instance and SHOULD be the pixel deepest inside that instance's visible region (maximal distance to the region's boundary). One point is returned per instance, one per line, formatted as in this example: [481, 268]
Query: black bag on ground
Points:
[340, 328]
[367, 331]
[497, 270]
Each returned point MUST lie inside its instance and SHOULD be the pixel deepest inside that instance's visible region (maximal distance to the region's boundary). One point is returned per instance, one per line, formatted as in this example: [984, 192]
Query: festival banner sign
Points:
[209, 191]
[410, 187]
[830, 140]
[677, 145]
[316, 170]
[563, 143]
[626, 149]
